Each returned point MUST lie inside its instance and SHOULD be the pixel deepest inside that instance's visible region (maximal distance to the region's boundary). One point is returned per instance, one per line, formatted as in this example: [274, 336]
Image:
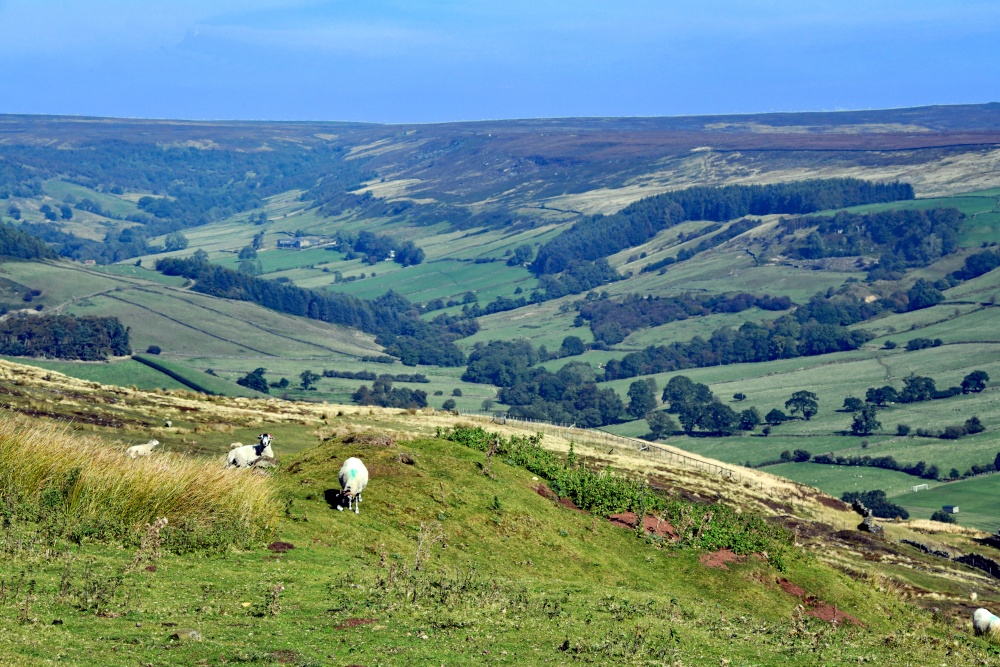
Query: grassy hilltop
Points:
[457, 556]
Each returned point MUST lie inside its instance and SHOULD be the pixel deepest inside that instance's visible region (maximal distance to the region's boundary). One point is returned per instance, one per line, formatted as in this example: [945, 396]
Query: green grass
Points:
[60, 189]
[976, 499]
[502, 572]
[981, 208]
[837, 480]
[198, 380]
[132, 271]
[122, 373]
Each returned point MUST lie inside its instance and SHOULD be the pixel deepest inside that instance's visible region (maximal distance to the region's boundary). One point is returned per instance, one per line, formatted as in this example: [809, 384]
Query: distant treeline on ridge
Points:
[599, 235]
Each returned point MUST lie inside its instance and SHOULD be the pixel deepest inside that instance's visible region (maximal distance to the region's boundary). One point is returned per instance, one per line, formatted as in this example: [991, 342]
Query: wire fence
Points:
[613, 443]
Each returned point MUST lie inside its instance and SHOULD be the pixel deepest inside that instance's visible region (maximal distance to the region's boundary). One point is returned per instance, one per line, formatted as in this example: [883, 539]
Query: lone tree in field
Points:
[642, 398]
[852, 404]
[254, 380]
[661, 424]
[804, 402]
[881, 396]
[775, 417]
[750, 419]
[308, 379]
[865, 421]
[975, 382]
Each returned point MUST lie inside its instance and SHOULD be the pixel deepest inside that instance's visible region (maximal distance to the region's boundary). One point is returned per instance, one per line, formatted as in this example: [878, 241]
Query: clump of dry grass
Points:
[927, 526]
[92, 482]
[374, 438]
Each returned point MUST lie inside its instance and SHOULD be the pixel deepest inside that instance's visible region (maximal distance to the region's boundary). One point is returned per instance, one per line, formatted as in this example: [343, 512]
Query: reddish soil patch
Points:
[791, 588]
[280, 547]
[566, 502]
[150, 568]
[825, 612]
[545, 492]
[721, 558]
[354, 622]
[649, 523]
[284, 656]
[814, 607]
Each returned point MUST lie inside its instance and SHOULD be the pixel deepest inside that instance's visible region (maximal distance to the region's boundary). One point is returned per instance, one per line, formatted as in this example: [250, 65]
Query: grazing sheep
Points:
[247, 455]
[167, 423]
[985, 622]
[353, 480]
[136, 451]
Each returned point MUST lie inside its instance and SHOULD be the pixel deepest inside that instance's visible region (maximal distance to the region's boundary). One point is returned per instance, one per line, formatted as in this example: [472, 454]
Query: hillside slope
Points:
[459, 558]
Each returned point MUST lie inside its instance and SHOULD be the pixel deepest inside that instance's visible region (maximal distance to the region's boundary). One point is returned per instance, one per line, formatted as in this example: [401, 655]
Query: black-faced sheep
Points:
[247, 455]
[353, 480]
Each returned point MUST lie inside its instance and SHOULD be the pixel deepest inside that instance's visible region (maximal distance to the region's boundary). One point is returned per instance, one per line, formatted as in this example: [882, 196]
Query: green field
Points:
[122, 373]
[112, 204]
[982, 210]
[445, 564]
[976, 499]
[837, 480]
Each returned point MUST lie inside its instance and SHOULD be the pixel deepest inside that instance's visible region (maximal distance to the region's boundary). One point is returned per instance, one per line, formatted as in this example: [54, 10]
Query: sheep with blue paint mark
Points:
[985, 623]
[353, 480]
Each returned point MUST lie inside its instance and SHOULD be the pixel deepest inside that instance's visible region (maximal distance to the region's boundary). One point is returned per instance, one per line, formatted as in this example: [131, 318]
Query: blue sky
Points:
[413, 61]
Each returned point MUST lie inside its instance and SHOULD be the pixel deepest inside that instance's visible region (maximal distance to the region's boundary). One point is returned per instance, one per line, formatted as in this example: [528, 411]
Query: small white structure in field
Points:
[951, 509]
[984, 622]
[353, 478]
[135, 451]
[919, 487]
[247, 455]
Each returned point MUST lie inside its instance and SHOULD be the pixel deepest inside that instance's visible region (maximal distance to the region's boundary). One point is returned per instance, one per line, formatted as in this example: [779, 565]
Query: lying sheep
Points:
[985, 622]
[247, 455]
[135, 451]
[353, 480]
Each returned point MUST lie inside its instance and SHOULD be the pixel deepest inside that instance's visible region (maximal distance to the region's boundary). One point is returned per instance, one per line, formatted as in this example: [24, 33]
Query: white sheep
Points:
[247, 455]
[353, 480]
[985, 622]
[135, 451]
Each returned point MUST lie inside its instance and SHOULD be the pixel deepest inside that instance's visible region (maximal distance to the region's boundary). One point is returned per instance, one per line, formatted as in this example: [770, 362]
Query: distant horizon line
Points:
[68, 116]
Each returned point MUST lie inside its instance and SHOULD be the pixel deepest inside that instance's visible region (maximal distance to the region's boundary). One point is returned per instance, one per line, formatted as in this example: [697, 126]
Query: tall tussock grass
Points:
[85, 487]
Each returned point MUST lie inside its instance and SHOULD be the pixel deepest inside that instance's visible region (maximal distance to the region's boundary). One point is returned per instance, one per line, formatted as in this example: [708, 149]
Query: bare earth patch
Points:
[284, 656]
[649, 523]
[817, 608]
[721, 559]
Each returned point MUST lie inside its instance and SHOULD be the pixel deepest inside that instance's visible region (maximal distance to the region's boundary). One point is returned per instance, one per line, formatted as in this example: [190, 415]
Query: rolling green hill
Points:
[457, 556]
[471, 194]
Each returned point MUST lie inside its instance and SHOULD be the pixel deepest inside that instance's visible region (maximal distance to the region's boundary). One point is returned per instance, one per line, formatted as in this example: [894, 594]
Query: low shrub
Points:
[711, 527]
